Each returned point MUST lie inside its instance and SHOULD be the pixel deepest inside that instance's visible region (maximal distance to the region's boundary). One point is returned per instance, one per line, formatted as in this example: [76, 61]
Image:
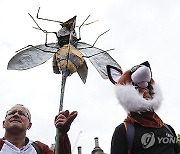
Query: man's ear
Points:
[3, 124]
[114, 73]
[30, 124]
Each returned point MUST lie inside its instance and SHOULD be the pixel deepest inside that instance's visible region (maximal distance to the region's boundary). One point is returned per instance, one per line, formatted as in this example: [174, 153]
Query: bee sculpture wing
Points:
[32, 56]
[83, 72]
[100, 58]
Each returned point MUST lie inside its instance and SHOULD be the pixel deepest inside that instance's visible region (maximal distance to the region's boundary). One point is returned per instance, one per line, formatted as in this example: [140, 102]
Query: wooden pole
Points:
[58, 133]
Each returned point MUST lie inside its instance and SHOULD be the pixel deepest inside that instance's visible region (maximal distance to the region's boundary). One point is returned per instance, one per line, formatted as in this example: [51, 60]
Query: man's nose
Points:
[16, 113]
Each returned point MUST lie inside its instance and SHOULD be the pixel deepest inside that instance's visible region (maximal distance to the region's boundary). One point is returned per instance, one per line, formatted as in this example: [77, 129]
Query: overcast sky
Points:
[139, 30]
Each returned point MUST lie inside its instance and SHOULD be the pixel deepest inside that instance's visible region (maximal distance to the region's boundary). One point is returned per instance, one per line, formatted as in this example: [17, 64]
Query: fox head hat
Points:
[128, 85]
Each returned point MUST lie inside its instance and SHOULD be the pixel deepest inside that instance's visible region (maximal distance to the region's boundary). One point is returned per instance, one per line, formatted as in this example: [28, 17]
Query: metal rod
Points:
[58, 133]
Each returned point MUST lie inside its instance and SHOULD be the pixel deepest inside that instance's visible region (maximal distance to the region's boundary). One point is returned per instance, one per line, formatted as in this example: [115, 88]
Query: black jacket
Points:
[146, 141]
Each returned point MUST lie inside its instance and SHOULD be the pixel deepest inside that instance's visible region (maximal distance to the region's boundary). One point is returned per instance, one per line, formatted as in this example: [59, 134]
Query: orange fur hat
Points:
[127, 83]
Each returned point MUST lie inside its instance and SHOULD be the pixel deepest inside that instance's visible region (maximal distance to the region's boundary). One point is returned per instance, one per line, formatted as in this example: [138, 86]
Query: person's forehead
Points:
[19, 107]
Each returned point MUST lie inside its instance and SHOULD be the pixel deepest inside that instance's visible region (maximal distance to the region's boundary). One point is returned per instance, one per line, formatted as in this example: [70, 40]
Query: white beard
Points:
[132, 101]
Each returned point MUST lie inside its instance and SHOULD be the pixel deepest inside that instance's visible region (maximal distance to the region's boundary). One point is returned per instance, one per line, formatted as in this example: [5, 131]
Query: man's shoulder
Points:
[1, 143]
[120, 131]
[120, 127]
[42, 147]
[40, 143]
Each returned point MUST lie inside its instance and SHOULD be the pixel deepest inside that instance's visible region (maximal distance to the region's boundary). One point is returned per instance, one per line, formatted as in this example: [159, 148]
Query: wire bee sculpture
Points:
[68, 55]
[68, 52]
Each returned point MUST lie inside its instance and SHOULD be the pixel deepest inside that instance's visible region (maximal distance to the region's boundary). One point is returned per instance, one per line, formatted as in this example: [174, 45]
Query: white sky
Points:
[140, 30]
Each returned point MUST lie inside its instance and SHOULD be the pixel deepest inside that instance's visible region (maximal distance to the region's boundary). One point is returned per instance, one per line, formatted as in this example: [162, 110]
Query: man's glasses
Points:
[13, 112]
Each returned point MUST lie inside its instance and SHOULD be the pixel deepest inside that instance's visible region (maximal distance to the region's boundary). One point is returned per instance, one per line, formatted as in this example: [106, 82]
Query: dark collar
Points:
[146, 119]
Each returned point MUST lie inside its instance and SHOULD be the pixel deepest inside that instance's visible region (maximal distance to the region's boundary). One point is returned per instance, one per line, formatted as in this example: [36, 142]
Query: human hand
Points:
[64, 119]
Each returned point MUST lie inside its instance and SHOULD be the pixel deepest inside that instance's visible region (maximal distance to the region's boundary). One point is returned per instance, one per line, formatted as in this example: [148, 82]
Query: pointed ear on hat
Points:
[114, 73]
